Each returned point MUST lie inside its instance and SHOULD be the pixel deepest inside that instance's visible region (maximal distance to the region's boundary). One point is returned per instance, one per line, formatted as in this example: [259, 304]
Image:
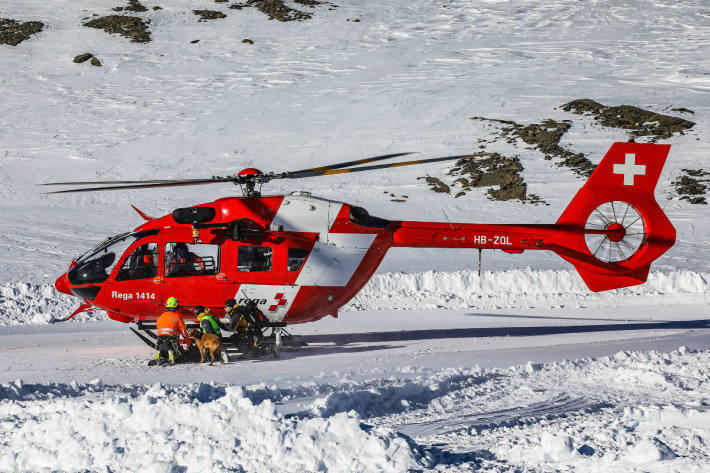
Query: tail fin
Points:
[614, 228]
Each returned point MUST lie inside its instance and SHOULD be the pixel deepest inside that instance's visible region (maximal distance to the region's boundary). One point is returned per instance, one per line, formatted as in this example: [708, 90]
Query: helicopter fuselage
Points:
[305, 258]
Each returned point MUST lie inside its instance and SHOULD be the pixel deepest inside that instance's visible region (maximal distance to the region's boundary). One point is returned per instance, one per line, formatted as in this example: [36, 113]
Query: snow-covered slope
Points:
[407, 77]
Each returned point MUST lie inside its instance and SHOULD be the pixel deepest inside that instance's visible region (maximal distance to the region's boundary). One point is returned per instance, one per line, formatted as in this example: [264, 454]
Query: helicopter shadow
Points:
[488, 332]
[288, 352]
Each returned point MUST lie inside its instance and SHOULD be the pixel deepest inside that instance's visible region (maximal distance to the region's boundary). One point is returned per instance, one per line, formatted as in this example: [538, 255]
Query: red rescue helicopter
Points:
[300, 257]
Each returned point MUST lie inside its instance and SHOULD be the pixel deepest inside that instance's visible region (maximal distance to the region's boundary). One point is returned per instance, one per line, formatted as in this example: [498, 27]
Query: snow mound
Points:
[521, 288]
[650, 450]
[161, 430]
[22, 303]
[572, 415]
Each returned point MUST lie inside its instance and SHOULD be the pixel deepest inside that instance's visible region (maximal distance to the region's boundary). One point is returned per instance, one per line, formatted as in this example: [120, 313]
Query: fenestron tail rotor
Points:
[250, 177]
[614, 231]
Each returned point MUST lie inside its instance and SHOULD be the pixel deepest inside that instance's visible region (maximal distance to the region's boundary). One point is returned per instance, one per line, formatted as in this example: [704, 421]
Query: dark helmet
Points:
[199, 309]
[229, 303]
[180, 249]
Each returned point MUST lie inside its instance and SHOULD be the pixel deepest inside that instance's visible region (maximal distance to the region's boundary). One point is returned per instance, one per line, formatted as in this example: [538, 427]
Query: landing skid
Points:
[272, 339]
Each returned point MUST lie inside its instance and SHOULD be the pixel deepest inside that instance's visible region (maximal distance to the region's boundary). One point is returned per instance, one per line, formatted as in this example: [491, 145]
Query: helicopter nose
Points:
[62, 284]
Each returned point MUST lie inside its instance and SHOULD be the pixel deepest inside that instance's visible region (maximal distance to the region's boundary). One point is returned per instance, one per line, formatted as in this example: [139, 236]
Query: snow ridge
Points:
[24, 303]
[521, 288]
[160, 430]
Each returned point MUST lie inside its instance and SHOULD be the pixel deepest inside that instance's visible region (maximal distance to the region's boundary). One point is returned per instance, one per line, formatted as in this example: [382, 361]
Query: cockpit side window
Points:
[254, 258]
[185, 259]
[141, 264]
[96, 265]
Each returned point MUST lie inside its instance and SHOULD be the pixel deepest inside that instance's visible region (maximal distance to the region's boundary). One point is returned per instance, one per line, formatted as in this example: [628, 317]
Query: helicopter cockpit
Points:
[96, 265]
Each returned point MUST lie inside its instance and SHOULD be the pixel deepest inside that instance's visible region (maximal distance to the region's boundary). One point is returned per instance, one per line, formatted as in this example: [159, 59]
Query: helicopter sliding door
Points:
[190, 274]
[134, 287]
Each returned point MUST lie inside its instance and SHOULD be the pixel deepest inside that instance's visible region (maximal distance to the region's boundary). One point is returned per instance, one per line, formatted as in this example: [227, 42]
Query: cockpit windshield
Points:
[95, 265]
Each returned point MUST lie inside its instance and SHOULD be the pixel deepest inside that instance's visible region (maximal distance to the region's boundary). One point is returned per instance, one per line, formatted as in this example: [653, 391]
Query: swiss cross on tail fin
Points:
[630, 169]
[614, 228]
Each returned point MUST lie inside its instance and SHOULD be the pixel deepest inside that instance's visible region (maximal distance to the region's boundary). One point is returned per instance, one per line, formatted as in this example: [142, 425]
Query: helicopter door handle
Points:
[222, 278]
[157, 280]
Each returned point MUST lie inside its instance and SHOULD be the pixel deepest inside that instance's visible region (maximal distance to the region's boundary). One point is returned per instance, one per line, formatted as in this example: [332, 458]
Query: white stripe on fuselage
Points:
[335, 256]
[332, 262]
[335, 262]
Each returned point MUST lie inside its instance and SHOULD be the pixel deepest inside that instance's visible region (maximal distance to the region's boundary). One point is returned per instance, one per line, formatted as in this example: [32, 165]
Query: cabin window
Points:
[185, 259]
[296, 257]
[254, 258]
[141, 264]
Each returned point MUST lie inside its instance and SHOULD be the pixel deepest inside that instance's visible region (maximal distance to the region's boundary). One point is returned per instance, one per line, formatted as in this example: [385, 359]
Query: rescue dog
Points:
[207, 341]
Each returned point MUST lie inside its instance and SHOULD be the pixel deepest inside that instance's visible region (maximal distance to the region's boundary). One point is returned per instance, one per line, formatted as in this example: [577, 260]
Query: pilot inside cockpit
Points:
[182, 262]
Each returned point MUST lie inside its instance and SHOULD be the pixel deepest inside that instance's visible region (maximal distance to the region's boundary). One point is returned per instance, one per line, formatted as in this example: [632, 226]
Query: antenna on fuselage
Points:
[480, 254]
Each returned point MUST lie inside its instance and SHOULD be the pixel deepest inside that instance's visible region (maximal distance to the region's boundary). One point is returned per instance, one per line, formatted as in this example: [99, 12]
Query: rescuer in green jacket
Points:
[207, 322]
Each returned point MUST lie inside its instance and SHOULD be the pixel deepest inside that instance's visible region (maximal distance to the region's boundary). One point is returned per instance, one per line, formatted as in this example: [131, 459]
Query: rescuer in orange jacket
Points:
[170, 326]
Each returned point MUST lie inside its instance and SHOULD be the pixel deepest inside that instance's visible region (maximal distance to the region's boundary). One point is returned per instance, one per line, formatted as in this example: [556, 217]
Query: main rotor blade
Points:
[378, 166]
[186, 182]
[89, 183]
[349, 163]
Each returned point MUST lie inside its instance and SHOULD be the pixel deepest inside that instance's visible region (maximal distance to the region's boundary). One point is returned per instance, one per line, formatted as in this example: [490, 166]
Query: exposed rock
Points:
[194, 41]
[13, 32]
[641, 122]
[692, 186]
[83, 58]
[308, 3]
[134, 6]
[221, 1]
[247, 41]
[545, 137]
[278, 10]
[683, 110]
[157, 8]
[500, 173]
[436, 185]
[130, 27]
[95, 61]
[535, 199]
[209, 14]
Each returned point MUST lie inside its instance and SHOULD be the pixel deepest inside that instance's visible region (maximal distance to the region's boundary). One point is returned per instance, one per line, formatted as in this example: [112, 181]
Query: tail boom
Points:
[610, 232]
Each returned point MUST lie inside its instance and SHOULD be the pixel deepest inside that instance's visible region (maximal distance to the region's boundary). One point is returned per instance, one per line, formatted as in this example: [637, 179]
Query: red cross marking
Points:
[280, 300]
